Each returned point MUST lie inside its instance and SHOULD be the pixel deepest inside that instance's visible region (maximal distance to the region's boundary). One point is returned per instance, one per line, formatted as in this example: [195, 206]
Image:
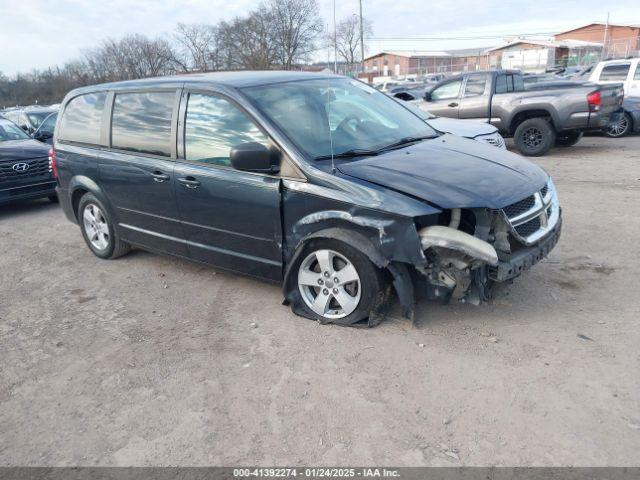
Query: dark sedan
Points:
[25, 171]
[629, 122]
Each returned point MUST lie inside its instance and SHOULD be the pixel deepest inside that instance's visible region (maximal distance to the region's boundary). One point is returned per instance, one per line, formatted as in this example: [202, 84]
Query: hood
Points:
[13, 150]
[452, 172]
[461, 128]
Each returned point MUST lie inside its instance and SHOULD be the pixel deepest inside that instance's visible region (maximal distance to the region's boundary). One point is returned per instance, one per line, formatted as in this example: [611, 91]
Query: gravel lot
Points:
[150, 360]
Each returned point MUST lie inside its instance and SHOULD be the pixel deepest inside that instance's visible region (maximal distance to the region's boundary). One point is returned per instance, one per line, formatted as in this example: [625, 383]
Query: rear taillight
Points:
[594, 99]
[52, 162]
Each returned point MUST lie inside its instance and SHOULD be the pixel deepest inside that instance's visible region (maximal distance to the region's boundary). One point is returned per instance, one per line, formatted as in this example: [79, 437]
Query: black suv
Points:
[30, 118]
[25, 170]
[316, 181]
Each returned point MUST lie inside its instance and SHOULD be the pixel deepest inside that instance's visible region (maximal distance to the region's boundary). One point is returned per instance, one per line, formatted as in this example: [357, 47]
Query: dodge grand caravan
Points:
[319, 182]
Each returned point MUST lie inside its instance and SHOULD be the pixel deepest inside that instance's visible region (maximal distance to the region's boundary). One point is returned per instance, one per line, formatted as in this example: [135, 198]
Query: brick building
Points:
[416, 62]
[619, 40]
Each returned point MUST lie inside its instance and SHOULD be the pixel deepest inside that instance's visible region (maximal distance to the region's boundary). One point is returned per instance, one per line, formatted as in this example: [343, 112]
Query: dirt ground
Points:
[149, 360]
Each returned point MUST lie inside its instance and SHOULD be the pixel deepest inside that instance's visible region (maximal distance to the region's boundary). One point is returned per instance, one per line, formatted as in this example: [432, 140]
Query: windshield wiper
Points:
[354, 152]
[404, 141]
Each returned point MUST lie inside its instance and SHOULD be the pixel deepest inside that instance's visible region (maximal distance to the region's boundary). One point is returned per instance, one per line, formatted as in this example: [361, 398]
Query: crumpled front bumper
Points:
[513, 265]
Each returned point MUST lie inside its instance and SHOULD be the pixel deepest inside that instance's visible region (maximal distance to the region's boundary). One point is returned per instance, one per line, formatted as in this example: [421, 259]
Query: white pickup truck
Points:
[625, 71]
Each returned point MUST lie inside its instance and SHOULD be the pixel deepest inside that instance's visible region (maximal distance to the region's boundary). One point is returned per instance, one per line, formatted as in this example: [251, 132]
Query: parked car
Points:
[316, 181]
[630, 121]
[537, 119]
[29, 118]
[408, 92]
[625, 71]
[478, 131]
[24, 166]
[44, 132]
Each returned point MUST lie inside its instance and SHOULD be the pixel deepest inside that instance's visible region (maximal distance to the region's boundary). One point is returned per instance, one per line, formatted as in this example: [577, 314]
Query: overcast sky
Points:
[41, 33]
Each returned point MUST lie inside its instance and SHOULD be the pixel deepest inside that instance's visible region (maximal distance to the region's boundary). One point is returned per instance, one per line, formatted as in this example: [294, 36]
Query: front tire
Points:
[568, 139]
[534, 137]
[336, 283]
[621, 128]
[97, 229]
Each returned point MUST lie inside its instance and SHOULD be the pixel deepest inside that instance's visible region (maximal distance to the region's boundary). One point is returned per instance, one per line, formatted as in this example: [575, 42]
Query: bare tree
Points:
[196, 47]
[348, 38]
[250, 42]
[297, 25]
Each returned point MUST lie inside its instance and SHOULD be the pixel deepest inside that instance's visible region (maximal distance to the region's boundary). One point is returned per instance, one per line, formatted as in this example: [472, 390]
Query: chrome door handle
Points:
[189, 182]
[160, 177]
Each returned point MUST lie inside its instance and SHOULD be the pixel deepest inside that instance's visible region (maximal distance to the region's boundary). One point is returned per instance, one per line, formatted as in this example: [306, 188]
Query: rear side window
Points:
[509, 83]
[615, 73]
[141, 122]
[82, 118]
[475, 85]
[213, 127]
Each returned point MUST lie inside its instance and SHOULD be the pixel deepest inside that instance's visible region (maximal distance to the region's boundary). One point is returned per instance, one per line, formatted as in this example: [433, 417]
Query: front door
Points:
[231, 219]
[137, 173]
[444, 99]
[474, 102]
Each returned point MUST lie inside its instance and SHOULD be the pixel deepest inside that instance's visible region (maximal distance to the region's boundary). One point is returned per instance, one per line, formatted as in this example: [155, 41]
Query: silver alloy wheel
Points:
[95, 226]
[620, 128]
[329, 284]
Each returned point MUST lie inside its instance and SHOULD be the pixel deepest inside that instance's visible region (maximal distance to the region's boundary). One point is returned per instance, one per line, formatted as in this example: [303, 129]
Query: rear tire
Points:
[352, 298]
[534, 137]
[568, 139]
[98, 230]
[621, 128]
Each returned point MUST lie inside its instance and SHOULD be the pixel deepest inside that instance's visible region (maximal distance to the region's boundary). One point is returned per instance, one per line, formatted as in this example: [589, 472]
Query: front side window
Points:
[326, 116]
[82, 118]
[49, 124]
[448, 90]
[10, 131]
[213, 127]
[141, 122]
[636, 76]
[615, 73]
[475, 85]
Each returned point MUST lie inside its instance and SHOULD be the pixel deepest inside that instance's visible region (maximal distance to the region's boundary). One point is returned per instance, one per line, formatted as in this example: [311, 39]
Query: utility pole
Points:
[604, 40]
[361, 40]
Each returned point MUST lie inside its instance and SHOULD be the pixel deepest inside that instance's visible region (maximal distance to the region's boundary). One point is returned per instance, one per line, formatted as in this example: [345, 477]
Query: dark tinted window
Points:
[509, 83]
[475, 85]
[141, 122]
[213, 127]
[82, 118]
[615, 73]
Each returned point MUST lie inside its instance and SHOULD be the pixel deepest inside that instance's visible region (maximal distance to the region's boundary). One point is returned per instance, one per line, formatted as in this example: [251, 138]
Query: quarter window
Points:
[448, 90]
[615, 73]
[475, 85]
[141, 122]
[213, 127]
[82, 118]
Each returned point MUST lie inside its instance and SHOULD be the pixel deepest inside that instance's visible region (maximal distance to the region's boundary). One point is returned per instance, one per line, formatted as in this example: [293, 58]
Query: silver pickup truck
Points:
[537, 118]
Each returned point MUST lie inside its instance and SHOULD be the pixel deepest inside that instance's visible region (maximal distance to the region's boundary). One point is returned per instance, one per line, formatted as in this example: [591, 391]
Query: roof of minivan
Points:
[238, 79]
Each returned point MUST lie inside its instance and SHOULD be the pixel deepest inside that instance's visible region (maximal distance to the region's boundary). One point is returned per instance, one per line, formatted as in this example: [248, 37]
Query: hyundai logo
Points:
[20, 167]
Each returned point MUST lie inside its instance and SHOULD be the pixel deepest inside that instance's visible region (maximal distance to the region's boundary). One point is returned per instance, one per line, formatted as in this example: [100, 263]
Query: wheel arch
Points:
[526, 114]
[355, 237]
[81, 185]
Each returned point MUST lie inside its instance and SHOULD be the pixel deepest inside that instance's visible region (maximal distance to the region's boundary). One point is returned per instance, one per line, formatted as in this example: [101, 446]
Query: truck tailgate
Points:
[611, 98]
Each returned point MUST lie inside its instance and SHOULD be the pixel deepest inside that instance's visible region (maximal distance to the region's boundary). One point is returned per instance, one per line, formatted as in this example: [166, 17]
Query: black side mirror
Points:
[255, 157]
[42, 135]
[427, 97]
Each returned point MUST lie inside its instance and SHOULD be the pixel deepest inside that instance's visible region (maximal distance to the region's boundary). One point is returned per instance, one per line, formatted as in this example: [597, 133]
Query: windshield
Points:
[346, 114]
[10, 131]
[36, 118]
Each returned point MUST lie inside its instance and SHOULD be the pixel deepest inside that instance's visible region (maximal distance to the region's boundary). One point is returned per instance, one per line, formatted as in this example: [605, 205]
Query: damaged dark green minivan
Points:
[316, 181]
